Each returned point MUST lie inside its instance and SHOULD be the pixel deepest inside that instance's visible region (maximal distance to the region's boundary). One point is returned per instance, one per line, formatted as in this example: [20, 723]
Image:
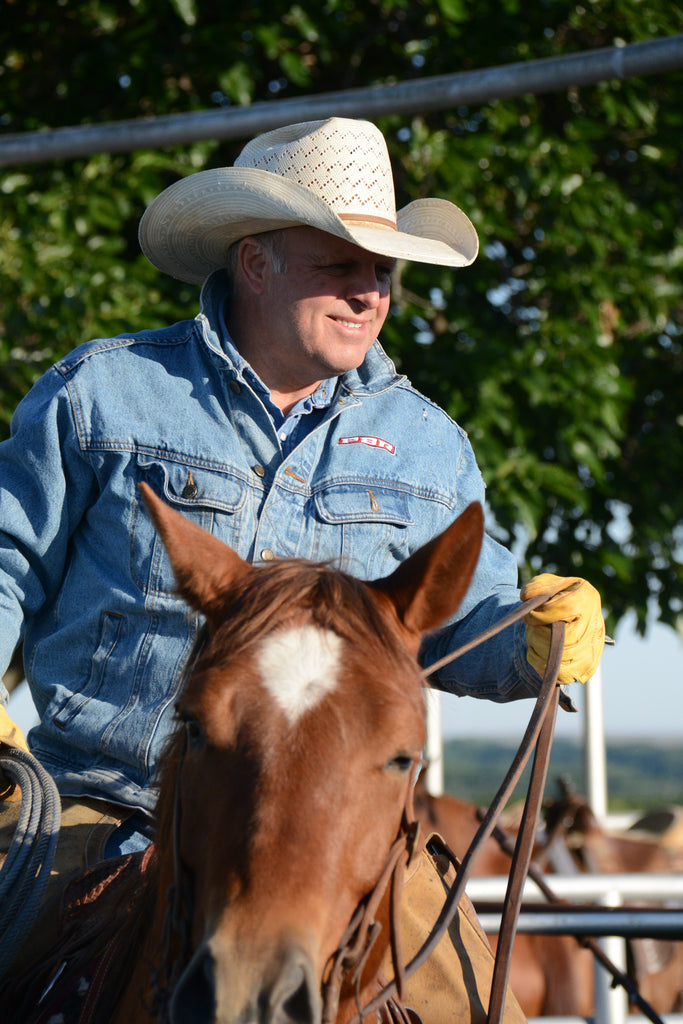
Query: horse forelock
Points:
[276, 596]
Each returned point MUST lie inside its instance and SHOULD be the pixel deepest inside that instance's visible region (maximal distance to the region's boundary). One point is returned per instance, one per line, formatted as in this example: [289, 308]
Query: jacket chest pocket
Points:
[373, 523]
[211, 499]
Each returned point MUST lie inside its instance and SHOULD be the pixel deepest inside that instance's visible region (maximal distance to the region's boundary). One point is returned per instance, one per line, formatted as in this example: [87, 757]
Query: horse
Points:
[550, 975]
[284, 804]
[656, 965]
[596, 849]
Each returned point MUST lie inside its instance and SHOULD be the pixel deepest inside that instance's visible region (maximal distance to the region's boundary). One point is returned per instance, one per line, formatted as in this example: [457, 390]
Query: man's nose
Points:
[367, 288]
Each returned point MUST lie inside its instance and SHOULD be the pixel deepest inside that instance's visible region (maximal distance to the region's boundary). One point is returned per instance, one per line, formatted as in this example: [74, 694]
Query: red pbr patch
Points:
[371, 442]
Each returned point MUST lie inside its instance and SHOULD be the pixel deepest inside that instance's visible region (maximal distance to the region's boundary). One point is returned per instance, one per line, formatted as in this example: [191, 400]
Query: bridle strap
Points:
[497, 627]
[356, 943]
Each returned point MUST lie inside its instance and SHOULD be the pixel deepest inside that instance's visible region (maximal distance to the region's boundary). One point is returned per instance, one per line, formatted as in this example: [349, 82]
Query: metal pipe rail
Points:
[606, 892]
[633, 1018]
[626, 922]
[439, 92]
[656, 887]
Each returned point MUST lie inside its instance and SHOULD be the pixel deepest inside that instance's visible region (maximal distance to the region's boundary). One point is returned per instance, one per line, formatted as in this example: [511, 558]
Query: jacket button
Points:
[259, 470]
[236, 387]
[267, 555]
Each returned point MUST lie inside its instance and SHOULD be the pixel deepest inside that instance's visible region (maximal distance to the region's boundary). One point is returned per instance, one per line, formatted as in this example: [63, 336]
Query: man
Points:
[274, 419]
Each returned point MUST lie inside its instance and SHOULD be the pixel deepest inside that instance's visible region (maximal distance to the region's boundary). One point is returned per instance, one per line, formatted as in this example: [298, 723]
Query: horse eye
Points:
[194, 733]
[401, 763]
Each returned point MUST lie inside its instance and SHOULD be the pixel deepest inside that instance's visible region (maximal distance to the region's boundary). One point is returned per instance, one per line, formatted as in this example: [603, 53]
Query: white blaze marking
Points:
[299, 667]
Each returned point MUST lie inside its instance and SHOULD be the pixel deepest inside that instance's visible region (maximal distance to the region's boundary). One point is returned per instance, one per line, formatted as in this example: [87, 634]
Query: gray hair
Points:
[271, 241]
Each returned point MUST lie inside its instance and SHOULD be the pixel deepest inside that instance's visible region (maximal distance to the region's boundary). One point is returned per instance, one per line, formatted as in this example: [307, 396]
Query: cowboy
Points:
[273, 418]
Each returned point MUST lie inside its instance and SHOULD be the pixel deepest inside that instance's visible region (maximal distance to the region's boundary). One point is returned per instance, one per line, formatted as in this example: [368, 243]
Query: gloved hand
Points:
[577, 603]
[11, 736]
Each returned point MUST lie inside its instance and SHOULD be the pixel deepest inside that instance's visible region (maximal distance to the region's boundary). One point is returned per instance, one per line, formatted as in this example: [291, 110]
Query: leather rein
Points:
[357, 942]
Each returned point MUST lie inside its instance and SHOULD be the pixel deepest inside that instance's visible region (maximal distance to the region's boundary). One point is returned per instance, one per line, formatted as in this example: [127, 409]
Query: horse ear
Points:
[204, 566]
[428, 586]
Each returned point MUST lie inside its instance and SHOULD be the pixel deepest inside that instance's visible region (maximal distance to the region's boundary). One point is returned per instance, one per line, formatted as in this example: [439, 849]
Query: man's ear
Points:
[254, 261]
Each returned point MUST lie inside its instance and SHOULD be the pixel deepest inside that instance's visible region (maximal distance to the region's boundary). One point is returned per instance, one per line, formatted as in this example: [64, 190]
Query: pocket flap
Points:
[189, 486]
[366, 502]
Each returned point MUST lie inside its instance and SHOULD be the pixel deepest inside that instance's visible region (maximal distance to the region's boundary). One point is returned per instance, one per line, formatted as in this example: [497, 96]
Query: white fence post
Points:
[434, 744]
[595, 758]
[611, 1004]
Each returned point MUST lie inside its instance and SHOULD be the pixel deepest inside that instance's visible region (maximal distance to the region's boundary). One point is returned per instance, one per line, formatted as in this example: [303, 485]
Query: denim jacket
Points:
[85, 580]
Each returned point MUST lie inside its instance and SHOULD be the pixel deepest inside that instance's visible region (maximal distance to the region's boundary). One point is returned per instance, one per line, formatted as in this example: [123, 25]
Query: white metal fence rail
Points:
[611, 1004]
[440, 92]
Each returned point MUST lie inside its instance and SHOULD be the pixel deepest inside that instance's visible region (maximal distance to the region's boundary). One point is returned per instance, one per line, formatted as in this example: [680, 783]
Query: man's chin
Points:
[345, 361]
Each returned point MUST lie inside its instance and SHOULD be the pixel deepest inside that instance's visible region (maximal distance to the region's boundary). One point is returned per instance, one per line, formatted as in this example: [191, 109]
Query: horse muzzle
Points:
[282, 991]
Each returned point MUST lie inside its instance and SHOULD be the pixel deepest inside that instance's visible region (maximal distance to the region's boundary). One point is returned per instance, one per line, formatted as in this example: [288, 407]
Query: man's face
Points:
[327, 307]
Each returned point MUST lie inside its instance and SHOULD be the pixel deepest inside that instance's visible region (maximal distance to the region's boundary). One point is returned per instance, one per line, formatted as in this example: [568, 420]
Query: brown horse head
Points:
[301, 726]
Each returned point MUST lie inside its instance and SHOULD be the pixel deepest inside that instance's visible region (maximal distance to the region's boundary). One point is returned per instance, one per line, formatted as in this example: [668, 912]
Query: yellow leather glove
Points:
[10, 733]
[577, 603]
[12, 736]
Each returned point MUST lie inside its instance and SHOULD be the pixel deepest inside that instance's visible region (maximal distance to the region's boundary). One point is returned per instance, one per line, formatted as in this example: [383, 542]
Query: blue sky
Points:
[642, 684]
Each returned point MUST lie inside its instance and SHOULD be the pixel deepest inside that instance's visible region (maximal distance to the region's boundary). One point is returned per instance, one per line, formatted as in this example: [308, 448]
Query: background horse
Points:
[656, 965]
[282, 794]
[552, 975]
[549, 974]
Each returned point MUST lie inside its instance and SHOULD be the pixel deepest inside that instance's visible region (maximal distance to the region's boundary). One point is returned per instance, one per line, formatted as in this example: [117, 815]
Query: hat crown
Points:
[344, 162]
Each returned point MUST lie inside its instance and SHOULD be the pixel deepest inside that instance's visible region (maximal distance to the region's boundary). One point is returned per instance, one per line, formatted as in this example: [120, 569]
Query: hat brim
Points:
[187, 230]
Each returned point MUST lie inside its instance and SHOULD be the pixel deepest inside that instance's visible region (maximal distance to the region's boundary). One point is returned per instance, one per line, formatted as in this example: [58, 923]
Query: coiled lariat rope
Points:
[26, 871]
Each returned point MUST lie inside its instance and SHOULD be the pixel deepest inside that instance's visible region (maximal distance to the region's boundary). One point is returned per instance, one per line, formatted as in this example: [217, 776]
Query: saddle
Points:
[454, 983]
[69, 963]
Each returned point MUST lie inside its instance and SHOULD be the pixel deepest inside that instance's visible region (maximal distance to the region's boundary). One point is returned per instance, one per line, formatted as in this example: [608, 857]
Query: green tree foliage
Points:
[640, 774]
[559, 350]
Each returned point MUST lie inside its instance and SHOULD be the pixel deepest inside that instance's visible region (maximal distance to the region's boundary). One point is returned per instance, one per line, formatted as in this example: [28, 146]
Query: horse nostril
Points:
[297, 1006]
[295, 998]
[194, 997]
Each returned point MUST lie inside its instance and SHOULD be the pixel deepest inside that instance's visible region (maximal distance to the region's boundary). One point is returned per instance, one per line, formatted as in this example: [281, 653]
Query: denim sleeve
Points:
[497, 669]
[45, 485]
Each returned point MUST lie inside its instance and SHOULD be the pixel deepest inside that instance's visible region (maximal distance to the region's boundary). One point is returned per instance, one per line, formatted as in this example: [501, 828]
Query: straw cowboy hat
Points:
[334, 175]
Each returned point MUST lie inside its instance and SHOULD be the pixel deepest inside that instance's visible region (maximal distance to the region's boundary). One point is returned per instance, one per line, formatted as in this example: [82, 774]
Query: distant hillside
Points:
[639, 774]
